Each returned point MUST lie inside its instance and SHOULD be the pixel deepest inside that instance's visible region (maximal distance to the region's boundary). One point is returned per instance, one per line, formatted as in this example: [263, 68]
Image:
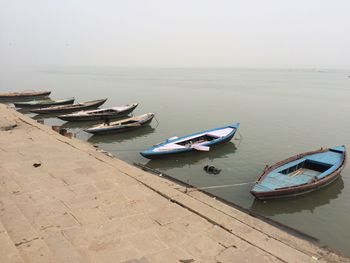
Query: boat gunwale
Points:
[42, 102]
[72, 107]
[139, 118]
[100, 129]
[198, 133]
[298, 189]
[10, 95]
[150, 153]
[86, 113]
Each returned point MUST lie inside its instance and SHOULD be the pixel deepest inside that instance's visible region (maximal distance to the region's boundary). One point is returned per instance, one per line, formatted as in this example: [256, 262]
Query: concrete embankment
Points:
[61, 200]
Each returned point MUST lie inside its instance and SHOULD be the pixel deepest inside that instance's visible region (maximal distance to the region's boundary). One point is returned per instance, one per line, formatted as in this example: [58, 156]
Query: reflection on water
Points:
[42, 116]
[24, 110]
[121, 137]
[190, 158]
[80, 124]
[307, 202]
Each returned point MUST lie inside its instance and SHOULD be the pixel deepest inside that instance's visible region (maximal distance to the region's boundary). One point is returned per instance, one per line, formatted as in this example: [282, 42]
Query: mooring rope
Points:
[222, 186]
[240, 139]
[122, 150]
[156, 120]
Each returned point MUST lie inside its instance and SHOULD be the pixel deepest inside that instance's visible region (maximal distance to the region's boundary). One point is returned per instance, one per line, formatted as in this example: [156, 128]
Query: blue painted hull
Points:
[301, 174]
[151, 153]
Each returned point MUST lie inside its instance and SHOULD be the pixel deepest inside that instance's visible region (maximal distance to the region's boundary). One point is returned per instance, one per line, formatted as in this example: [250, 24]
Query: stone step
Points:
[27, 241]
[9, 252]
[31, 234]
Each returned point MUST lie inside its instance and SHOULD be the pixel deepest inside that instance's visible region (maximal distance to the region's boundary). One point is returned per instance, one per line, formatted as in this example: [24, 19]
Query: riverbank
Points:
[62, 200]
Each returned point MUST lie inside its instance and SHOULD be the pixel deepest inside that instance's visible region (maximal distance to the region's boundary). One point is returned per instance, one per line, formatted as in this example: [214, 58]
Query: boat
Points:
[122, 125]
[300, 174]
[24, 94]
[200, 141]
[99, 114]
[70, 108]
[43, 103]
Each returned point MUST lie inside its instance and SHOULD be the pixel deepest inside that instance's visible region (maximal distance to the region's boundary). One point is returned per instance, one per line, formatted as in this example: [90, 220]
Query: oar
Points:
[200, 147]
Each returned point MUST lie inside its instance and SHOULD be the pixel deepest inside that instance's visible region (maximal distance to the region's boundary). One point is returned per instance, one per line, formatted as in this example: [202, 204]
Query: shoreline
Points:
[178, 225]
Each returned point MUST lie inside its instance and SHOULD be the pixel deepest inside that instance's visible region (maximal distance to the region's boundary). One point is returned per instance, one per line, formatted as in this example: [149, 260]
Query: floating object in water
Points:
[300, 174]
[70, 108]
[99, 114]
[122, 125]
[24, 94]
[211, 169]
[201, 141]
[43, 103]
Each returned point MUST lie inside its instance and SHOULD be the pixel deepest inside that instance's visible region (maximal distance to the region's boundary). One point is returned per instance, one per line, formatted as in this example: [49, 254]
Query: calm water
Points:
[281, 113]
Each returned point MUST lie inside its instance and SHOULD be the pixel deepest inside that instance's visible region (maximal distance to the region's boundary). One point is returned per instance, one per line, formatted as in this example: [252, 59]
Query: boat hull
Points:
[69, 109]
[301, 189]
[97, 117]
[24, 105]
[119, 129]
[295, 192]
[182, 151]
[24, 95]
[150, 154]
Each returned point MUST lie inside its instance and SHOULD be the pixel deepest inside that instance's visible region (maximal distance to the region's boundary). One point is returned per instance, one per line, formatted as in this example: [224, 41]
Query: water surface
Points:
[281, 113]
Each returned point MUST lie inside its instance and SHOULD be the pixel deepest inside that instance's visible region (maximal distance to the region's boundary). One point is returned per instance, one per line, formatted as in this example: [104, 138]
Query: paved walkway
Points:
[61, 200]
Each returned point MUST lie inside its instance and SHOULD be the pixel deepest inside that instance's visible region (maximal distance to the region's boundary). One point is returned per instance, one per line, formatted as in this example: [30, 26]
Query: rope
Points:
[240, 138]
[123, 150]
[220, 186]
[156, 120]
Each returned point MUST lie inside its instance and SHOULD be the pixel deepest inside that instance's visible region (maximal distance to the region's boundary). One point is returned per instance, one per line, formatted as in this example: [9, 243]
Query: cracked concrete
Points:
[81, 205]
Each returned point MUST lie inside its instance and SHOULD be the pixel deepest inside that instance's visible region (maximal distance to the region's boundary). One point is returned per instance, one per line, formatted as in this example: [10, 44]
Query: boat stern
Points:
[149, 153]
[339, 149]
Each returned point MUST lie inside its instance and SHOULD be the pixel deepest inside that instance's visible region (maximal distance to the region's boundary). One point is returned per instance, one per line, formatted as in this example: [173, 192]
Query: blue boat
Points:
[200, 141]
[300, 174]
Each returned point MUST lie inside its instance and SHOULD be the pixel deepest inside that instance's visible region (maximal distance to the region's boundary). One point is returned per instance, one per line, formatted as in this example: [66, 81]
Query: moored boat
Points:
[99, 114]
[200, 141]
[24, 95]
[122, 125]
[70, 108]
[301, 173]
[43, 103]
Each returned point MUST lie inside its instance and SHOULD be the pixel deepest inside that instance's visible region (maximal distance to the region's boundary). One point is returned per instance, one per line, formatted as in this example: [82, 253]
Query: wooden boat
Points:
[200, 141]
[24, 94]
[301, 173]
[70, 108]
[43, 103]
[122, 125]
[99, 114]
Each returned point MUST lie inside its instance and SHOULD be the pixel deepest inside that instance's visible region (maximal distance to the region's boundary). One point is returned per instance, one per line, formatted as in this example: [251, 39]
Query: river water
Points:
[282, 113]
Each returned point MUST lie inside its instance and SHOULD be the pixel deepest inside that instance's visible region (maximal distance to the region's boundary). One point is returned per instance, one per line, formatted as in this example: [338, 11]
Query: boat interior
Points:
[197, 140]
[123, 122]
[104, 111]
[101, 112]
[306, 167]
[67, 106]
[130, 121]
[302, 171]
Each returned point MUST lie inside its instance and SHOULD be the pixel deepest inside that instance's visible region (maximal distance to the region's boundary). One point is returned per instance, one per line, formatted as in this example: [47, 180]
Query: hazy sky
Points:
[176, 33]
